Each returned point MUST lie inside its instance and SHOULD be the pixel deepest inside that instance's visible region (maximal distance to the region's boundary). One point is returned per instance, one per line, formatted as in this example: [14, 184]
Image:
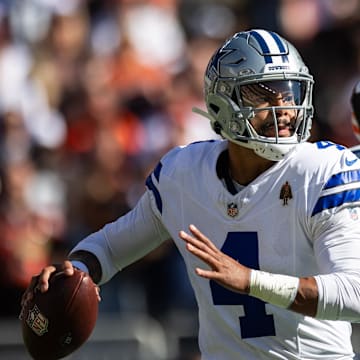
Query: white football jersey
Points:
[300, 218]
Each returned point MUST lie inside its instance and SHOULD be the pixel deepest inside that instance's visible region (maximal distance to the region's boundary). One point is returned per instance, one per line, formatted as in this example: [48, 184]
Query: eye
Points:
[262, 100]
[288, 98]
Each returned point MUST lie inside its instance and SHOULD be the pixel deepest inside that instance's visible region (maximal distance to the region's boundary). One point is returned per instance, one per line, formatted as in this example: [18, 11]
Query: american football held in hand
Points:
[57, 322]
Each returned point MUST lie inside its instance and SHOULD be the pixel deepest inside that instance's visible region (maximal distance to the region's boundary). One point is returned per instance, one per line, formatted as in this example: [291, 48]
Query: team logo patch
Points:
[232, 209]
[285, 193]
[37, 321]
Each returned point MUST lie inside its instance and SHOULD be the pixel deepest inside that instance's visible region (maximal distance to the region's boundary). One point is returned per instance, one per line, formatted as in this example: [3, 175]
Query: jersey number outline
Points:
[243, 247]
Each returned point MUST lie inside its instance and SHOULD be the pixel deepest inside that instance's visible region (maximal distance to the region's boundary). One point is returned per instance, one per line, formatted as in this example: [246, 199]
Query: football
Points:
[59, 321]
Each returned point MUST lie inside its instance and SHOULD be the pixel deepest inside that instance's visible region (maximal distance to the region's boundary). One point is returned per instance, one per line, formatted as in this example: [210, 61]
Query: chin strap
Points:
[203, 113]
[214, 124]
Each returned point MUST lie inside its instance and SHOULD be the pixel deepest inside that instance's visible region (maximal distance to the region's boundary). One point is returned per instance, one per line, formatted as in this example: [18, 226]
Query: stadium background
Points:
[92, 93]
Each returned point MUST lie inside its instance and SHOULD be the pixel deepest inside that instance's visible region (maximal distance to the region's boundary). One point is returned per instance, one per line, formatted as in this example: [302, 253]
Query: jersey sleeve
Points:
[141, 230]
[129, 238]
[337, 248]
[160, 183]
[335, 230]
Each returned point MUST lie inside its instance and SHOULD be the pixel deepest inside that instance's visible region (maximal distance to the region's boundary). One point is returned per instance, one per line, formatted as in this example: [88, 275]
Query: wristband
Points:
[80, 265]
[279, 290]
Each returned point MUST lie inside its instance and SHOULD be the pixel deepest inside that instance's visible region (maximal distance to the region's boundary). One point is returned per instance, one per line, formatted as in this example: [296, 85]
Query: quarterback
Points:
[268, 224]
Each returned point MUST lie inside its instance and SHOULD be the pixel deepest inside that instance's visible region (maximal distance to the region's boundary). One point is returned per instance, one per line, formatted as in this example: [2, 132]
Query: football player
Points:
[355, 118]
[273, 278]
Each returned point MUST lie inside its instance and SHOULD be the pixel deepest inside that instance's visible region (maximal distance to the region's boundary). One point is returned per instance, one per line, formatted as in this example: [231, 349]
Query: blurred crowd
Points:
[93, 92]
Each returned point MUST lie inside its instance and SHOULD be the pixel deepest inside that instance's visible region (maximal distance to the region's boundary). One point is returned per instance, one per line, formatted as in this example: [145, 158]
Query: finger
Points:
[29, 292]
[67, 267]
[33, 283]
[43, 281]
[196, 242]
[207, 258]
[191, 242]
[97, 289]
[200, 236]
[22, 313]
[208, 274]
[199, 249]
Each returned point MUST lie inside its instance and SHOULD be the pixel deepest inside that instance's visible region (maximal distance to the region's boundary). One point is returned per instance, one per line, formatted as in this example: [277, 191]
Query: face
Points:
[277, 97]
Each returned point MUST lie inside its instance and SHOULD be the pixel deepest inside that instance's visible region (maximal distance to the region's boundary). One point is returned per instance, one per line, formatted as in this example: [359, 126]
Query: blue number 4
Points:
[243, 246]
[325, 144]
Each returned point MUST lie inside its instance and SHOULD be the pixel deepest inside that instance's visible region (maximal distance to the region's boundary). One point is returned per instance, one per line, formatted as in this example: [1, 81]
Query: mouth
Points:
[285, 129]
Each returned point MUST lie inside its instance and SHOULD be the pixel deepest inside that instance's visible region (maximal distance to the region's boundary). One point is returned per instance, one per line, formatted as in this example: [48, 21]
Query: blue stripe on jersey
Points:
[157, 171]
[265, 49]
[280, 45]
[152, 187]
[334, 200]
[343, 178]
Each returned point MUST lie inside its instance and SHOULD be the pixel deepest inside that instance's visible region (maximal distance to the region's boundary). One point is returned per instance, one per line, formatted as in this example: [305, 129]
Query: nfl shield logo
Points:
[37, 321]
[232, 209]
[353, 214]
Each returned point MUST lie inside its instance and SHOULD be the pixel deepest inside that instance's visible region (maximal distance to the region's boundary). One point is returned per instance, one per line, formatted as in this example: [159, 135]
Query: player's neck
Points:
[244, 165]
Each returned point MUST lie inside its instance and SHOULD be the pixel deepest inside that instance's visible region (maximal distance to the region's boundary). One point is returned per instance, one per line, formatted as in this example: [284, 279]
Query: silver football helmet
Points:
[250, 66]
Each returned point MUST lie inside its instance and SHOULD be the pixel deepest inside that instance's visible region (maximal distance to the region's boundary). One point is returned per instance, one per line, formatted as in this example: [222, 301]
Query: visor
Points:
[263, 94]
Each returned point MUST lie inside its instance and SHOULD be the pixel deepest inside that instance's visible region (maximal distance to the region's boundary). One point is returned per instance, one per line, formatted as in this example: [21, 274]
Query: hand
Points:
[41, 282]
[223, 268]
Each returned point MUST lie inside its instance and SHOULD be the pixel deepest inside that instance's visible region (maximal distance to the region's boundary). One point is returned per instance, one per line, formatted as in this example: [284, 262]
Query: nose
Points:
[279, 101]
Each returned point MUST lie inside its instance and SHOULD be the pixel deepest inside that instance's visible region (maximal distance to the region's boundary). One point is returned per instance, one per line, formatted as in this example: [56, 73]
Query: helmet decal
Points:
[271, 45]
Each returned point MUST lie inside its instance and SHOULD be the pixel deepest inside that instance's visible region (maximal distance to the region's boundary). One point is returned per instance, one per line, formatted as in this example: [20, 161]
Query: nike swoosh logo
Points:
[350, 162]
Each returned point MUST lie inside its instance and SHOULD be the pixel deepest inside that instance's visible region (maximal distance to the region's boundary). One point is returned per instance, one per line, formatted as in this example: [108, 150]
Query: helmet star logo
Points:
[220, 58]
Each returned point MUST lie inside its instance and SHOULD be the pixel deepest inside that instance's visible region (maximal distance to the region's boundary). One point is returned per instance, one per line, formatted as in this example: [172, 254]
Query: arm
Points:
[337, 250]
[332, 295]
[306, 299]
[107, 251]
[237, 277]
[87, 262]
[122, 242]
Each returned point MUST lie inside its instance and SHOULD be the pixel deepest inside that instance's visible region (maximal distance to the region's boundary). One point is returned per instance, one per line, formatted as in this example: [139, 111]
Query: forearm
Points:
[120, 243]
[290, 292]
[329, 296]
